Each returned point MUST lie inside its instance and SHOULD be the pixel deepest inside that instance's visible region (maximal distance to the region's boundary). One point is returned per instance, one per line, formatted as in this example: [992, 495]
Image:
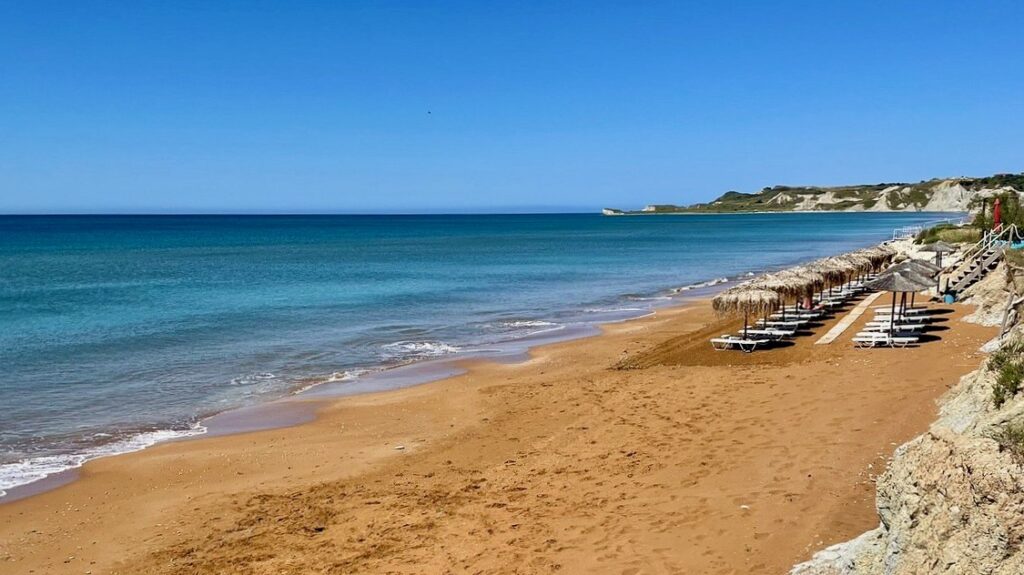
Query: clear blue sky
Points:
[493, 106]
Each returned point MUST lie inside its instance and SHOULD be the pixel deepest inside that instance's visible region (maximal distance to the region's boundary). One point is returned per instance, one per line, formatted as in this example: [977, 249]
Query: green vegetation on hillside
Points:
[949, 233]
[896, 195]
[1015, 181]
[1010, 210]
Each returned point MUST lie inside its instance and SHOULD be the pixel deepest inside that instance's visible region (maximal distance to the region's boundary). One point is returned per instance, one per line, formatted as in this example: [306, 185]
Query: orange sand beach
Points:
[640, 450]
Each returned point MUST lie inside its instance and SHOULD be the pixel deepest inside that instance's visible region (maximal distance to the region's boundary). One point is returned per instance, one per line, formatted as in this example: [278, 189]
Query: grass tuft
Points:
[948, 233]
[1011, 439]
[1008, 365]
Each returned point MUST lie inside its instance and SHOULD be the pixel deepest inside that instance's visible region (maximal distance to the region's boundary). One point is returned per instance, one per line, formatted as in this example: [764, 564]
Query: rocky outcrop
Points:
[952, 499]
[990, 295]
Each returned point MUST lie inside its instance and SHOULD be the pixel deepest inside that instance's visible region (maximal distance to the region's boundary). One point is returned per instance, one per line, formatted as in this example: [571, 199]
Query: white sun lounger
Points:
[908, 311]
[903, 318]
[745, 345]
[771, 333]
[884, 327]
[777, 323]
[835, 293]
[798, 309]
[833, 303]
[804, 315]
[833, 300]
[898, 321]
[875, 339]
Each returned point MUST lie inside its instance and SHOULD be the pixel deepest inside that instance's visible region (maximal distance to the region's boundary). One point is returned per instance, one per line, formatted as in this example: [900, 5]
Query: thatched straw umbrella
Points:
[902, 281]
[808, 274]
[926, 271]
[832, 268]
[809, 278]
[860, 263]
[784, 283]
[923, 267]
[797, 282]
[940, 247]
[878, 256]
[881, 256]
[746, 299]
[835, 270]
[859, 260]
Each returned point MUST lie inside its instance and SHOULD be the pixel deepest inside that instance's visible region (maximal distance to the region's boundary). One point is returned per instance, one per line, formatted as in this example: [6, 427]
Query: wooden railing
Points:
[975, 255]
[911, 231]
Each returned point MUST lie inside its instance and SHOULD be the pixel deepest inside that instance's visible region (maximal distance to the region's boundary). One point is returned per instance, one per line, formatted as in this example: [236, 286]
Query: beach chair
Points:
[876, 339]
[804, 315]
[902, 311]
[898, 321]
[791, 324]
[899, 328]
[835, 297]
[902, 318]
[771, 333]
[745, 345]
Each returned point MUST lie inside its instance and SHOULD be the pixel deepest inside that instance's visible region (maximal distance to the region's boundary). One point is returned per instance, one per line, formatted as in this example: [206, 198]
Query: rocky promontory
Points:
[937, 195]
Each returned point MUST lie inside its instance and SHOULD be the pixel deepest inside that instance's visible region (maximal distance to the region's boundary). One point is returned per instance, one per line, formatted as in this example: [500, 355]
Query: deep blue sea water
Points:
[118, 331]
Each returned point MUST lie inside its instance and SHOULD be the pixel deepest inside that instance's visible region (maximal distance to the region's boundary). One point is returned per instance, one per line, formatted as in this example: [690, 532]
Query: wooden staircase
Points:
[975, 269]
[981, 258]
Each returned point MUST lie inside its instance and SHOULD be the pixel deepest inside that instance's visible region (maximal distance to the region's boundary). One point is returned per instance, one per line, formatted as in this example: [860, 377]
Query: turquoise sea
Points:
[120, 331]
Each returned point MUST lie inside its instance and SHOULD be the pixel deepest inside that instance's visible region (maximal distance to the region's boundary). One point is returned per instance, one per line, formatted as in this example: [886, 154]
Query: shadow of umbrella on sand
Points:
[902, 281]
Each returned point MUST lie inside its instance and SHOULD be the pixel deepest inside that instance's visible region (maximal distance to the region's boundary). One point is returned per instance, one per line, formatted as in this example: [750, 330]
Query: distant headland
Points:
[936, 195]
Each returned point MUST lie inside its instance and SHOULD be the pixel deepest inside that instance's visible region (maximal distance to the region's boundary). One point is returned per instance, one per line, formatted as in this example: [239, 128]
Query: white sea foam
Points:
[335, 377]
[648, 298]
[612, 309]
[252, 378]
[347, 375]
[36, 468]
[419, 349]
[709, 283]
[527, 323]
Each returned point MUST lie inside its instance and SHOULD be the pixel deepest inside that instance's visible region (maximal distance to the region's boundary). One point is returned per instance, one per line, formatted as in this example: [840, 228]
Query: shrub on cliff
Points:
[1008, 383]
[1011, 439]
[1008, 365]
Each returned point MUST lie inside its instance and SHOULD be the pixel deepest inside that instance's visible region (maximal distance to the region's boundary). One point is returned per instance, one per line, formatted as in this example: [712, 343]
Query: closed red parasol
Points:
[997, 216]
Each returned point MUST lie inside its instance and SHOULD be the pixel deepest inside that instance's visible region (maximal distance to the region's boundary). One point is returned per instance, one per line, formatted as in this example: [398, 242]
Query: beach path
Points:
[846, 321]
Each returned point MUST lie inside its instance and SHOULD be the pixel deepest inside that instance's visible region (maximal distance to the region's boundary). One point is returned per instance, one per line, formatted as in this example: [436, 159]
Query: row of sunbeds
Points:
[785, 324]
[897, 327]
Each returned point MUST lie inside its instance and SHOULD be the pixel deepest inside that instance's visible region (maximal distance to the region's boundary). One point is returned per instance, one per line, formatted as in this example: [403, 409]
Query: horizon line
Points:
[301, 213]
